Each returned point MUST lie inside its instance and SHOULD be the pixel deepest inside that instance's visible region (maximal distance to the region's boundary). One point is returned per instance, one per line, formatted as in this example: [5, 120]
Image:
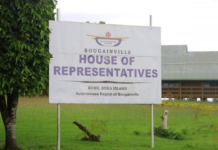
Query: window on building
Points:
[177, 84]
[170, 83]
[210, 83]
[165, 84]
[206, 84]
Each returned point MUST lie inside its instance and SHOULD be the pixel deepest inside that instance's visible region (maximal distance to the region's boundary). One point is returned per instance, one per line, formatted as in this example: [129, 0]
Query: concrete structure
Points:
[189, 74]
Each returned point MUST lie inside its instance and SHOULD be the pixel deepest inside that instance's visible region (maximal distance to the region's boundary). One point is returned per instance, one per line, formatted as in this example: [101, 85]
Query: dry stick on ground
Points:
[202, 127]
[91, 137]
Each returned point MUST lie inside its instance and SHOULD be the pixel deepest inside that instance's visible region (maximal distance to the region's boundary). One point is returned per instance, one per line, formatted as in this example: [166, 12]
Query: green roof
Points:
[179, 64]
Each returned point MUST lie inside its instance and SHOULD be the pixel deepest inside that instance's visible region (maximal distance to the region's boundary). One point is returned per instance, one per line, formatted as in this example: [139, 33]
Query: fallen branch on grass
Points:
[202, 127]
[91, 137]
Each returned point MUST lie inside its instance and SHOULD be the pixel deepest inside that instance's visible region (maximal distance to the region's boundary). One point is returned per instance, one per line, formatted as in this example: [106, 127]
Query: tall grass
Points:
[128, 126]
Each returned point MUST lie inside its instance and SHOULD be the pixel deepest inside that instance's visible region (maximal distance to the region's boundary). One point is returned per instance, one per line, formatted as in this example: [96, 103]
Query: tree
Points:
[100, 22]
[24, 56]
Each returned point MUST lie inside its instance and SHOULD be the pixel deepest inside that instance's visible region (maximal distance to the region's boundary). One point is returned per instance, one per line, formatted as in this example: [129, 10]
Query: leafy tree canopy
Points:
[24, 45]
[100, 22]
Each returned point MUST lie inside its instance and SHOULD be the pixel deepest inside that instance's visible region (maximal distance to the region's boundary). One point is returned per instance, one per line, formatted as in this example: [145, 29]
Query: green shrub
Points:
[191, 98]
[185, 131]
[137, 132]
[170, 133]
[215, 99]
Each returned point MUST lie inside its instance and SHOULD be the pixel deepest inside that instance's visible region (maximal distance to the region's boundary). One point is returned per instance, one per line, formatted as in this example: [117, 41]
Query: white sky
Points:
[183, 22]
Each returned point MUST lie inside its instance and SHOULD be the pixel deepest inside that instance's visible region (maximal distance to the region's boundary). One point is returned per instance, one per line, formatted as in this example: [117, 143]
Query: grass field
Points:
[128, 126]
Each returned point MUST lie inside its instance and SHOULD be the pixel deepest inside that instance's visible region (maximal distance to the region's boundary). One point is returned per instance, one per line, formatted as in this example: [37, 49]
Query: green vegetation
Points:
[128, 126]
[24, 44]
[24, 56]
[100, 22]
[170, 133]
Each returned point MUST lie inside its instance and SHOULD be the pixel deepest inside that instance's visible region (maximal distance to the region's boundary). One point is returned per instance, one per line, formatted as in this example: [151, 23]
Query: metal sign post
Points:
[152, 127]
[58, 105]
[59, 140]
[152, 109]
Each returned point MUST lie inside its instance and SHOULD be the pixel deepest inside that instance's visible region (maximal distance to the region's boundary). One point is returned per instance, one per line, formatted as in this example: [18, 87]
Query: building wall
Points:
[189, 74]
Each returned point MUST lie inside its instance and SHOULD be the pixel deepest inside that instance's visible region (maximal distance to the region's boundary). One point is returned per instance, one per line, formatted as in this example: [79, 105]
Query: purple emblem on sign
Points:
[107, 40]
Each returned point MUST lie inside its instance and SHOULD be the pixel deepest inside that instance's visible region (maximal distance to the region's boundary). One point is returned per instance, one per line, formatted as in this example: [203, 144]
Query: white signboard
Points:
[94, 63]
